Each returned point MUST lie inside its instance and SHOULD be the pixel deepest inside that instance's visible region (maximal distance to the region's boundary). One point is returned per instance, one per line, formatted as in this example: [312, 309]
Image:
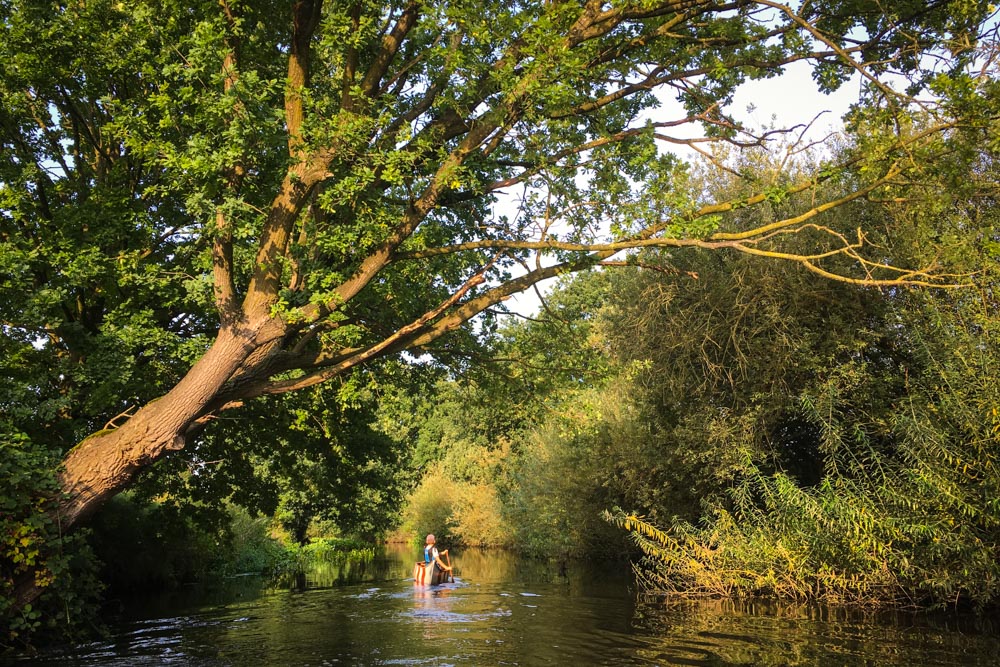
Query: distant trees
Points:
[768, 431]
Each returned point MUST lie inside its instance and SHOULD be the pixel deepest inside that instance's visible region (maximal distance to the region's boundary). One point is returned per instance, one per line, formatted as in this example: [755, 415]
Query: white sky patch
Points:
[780, 102]
[793, 98]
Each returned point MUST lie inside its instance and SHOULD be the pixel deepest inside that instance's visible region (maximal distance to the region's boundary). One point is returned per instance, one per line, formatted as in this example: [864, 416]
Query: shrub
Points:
[252, 548]
[478, 518]
[430, 507]
[34, 551]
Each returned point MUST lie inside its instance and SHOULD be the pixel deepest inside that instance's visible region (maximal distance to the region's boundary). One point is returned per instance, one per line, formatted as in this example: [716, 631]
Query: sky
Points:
[781, 101]
[794, 98]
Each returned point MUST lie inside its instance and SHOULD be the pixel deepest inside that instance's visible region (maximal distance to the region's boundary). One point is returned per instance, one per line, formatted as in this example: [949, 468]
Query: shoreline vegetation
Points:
[671, 567]
[241, 545]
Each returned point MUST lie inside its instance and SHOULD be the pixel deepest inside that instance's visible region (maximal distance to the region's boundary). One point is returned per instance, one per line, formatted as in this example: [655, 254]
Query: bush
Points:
[918, 526]
[252, 549]
[463, 512]
[589, 455]
[478, 517]
[430, 507]
[34, 551]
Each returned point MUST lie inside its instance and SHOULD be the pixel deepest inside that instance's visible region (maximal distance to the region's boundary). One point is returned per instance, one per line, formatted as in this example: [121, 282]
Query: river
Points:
[502, 610]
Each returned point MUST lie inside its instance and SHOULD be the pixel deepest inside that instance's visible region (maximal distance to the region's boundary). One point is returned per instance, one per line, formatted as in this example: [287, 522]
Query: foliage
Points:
[430, 507]
[305, 458]
[891, 396]
[205, 207]
[163, 175]
[479, 518]
[460, 433]
[32, 544]
[156, 545]
[569, 468]
[299, 558]
[558, 348]
[338, 549]
[152, 546]
[476, 432]
[251, 547]
[458, 497]
[876, 531]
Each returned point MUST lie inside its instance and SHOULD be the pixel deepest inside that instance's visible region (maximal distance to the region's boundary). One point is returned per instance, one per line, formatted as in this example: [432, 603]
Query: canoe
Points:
[428, 575]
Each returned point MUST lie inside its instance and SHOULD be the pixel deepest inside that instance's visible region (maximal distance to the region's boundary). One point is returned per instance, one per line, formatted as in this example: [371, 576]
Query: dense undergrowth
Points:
[33, 543]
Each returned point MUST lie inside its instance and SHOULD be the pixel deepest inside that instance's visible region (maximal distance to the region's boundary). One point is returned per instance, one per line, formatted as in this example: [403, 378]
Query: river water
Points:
[502, 610]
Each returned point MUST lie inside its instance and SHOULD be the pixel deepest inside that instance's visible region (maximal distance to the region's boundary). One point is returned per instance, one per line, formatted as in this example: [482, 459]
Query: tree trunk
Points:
[105, 463]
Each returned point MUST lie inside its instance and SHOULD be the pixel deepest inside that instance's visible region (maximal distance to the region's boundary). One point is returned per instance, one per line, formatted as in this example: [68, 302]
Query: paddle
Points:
[451, 574]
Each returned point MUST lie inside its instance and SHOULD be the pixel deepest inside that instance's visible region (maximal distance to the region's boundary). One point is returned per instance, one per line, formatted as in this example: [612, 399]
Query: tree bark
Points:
[106, 462]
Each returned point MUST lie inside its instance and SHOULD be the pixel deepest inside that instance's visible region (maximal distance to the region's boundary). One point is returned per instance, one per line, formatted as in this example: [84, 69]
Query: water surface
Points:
[505, 611]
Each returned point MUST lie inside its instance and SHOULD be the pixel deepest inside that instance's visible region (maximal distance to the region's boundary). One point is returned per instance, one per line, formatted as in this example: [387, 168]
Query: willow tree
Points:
[205, 203]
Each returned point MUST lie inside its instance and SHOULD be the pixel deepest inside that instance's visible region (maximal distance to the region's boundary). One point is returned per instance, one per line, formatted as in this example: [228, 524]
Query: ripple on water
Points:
[507, 615]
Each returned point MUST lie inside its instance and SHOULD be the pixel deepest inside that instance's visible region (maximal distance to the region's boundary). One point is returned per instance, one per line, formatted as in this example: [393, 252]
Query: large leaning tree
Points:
[203, 203]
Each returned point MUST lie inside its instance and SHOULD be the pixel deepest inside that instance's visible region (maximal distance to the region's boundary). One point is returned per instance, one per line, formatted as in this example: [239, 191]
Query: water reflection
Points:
[504, 610]
[327, 573]
[723, 632]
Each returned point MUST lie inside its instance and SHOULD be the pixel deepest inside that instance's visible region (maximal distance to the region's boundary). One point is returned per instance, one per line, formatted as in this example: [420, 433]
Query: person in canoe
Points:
[433, 557]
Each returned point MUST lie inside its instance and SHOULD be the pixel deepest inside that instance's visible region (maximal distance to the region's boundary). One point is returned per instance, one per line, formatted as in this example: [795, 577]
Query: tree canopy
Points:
[206, 203]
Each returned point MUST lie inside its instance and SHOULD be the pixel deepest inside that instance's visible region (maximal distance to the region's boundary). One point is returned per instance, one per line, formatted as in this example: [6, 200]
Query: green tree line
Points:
[756, 430]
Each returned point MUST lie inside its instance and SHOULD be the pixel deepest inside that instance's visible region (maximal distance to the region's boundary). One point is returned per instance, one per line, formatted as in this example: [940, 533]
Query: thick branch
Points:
[390, 46]
[491, 297]
[344, 362]
[305, 18]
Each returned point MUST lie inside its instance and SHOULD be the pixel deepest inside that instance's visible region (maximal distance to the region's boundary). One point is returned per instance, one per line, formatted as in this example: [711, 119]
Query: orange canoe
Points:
[428, 575]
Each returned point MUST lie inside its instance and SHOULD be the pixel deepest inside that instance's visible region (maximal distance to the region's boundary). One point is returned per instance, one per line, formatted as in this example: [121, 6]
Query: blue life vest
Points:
[428, 558]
